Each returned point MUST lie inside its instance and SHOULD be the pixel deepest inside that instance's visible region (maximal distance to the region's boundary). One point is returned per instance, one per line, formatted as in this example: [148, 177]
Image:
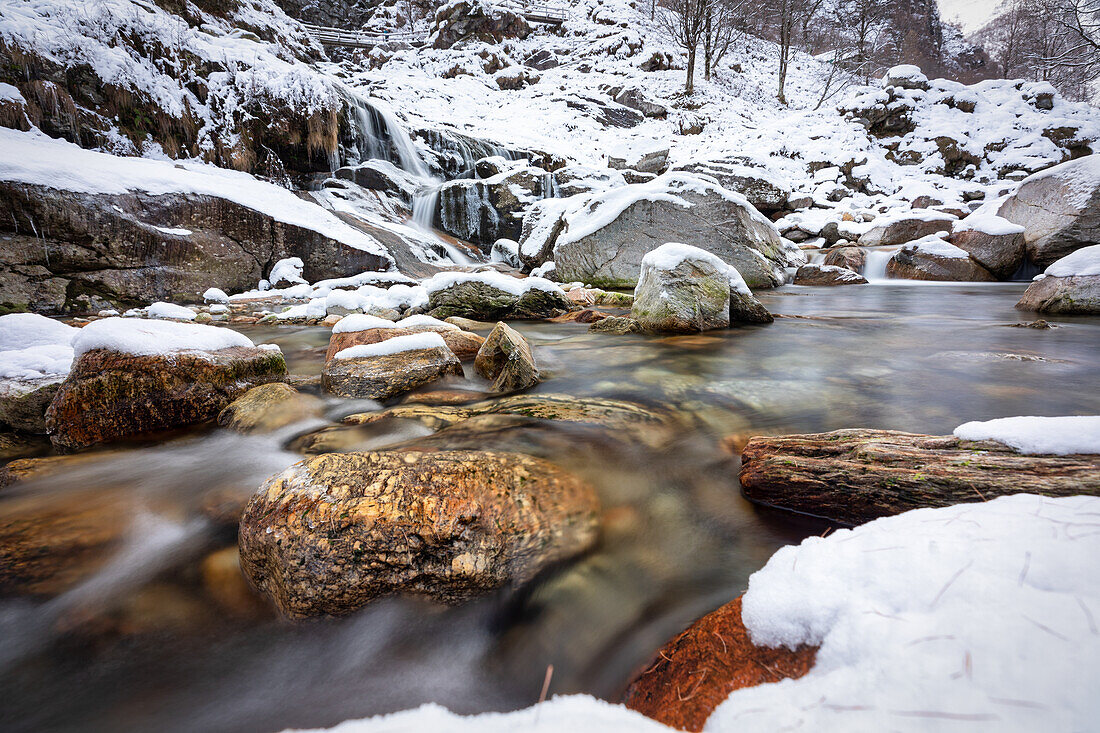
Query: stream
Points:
[140, 644]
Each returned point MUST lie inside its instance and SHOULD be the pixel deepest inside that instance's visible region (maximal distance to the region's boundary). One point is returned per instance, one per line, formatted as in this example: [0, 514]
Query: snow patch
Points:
[146, 337]
[1085, 261]
[396, 345]
[1038, 435]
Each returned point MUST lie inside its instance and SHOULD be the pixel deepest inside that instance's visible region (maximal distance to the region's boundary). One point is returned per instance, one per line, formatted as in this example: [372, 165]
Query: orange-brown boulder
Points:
[462, 344]
[695, 672]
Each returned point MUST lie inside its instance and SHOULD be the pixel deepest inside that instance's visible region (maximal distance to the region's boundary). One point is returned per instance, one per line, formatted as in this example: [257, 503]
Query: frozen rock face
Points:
[110, 395]
[684, 289]
[1059, 209]
[134, 248]
[934, 259]
[332, 533]
[811, 274]
[485, 210]
[384, 176]
[475, 20]
[382, 376]
[506, 359]
[603, 242]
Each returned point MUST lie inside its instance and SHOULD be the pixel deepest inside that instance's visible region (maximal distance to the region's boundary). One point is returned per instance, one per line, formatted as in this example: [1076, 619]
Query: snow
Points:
[934, 245]
[33, 346]
[361, 322]
[287, 270]
[147, 337]
[178, 232]
[987, 224]
[670, 255]
[1080, 179]
[9, 93]
[21, 330]
[904, 72]
[1040, 435]
[978, 616]
[37, 159]
[161, 309]
[1085, 261]
[396, 345]
[423, 320]
[215, 295]
[500, 281]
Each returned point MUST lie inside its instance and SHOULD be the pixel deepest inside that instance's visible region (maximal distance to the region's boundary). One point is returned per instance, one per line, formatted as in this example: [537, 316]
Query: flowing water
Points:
[145, 641]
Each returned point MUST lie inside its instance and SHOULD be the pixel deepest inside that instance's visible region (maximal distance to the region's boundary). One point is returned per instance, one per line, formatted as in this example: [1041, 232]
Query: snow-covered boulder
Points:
[137, 229]
[357, 329]
[1070, 286]
[995, 243]
[133, 376]
[905, 226]
[35, 356]
[602, 240]
[814, 274]
[931, 258]
[384, 176]
[489, 296]
[906, 76]
[389, 367]
[485, 210]
[764, 189]
[683, 289]
[1058, 208]
[459, 21]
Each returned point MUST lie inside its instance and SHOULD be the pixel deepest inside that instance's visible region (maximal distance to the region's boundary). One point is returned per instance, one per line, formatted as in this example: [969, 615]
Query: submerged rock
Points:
[334, 532]
[506, 358]
[269, 407]
[854, 476]
[694, 673]
[110, 395]
[373, 372]
[603, 243]
[811, 274]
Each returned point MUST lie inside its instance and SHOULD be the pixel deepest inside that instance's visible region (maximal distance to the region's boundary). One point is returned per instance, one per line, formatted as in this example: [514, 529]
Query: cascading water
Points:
[875, 268]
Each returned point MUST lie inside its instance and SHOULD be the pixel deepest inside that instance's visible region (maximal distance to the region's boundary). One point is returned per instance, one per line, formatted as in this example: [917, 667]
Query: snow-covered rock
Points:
[814, 274]
[995, 243]
[1071, 285]
[932, 258]
[389, 367]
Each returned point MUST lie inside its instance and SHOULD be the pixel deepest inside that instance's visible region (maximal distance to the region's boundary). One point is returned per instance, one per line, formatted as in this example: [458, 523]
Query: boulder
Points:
[811, 274]
[515, 77]
[462, 344]
[995, 243]
[763, 189]
[485, 210]
[491, 296]
[136, 248]
[616, 325]
[506, 359]
[269, 407]
[384, 176]
[854, 476]
[906, 228]
[602, 241]
[332, 533]
[637, 99]
[854, 258]
[112, 393]
[906, 76]
[23, 402]
[683, 289]
[652, 161]
[1078, 295]
[1059, 209]
[695, 672]
[475, 20]
[389, 368]
[934, 259]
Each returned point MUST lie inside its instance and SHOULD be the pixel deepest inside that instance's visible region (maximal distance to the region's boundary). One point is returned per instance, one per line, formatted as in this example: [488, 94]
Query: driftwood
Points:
[854, 476]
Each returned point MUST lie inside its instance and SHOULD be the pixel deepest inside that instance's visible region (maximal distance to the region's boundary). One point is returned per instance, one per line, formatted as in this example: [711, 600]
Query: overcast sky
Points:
[972, 14]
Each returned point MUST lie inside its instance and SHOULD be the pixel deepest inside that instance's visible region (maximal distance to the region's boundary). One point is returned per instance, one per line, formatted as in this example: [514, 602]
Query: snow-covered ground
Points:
[972, 617]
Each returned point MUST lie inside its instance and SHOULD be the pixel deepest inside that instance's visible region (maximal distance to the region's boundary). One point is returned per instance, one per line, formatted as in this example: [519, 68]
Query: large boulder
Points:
[35, 356]
[602, 240]
[357, 329]
[506, 359]
[1070, 286]
[902, 228]
[475, 20]
[132, 376]
[765, 190]
[1059, 209]
[854, 258]
[490, 296]
[64, 251]
[932, 258]
[683, 289]
[388, 368]
[485, 210]
[334, 532]
[23, 402]
[854, 476]
[995, 243]
[695, 672]
[811, 274]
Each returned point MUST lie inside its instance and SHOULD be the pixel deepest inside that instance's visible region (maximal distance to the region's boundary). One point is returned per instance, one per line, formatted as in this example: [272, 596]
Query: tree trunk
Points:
[854, 476]
[689, 87]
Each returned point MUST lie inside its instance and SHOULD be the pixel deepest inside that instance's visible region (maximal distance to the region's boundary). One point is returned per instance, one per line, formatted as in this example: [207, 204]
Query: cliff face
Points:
[334, 13]
[922, 37]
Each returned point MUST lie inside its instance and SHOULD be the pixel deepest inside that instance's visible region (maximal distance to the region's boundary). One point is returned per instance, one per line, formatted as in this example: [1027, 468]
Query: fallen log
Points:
[853, 476]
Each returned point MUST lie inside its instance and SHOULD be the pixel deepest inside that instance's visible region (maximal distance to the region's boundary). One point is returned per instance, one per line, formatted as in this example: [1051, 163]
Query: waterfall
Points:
[875, 268]
[423, 207]
[380, 135]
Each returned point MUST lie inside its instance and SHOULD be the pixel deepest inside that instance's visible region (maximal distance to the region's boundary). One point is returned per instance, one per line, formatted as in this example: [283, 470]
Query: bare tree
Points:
[789, 21]
[723, 26]
[860, 32]
[685, 22]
